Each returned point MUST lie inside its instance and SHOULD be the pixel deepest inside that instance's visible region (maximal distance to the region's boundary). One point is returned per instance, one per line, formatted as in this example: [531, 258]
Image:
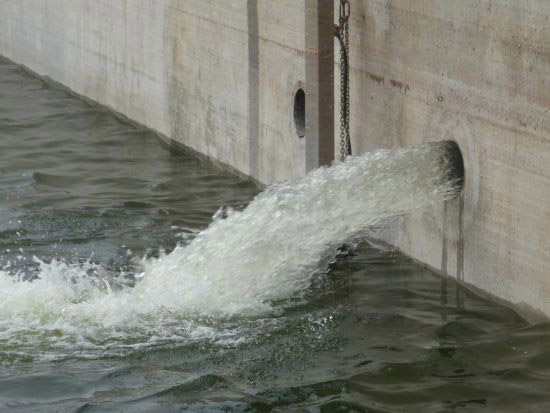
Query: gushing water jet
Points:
[248, 262]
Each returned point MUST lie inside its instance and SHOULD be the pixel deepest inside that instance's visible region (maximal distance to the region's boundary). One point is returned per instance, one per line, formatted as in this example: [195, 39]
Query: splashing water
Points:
[242, 264]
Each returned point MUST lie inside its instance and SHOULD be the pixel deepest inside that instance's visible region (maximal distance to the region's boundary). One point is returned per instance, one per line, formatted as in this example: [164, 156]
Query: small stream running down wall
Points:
[246, 263]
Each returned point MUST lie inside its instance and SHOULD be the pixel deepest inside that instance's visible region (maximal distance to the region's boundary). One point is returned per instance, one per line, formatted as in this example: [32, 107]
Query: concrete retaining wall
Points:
[477, 72]
[219, 76]
[216, 76]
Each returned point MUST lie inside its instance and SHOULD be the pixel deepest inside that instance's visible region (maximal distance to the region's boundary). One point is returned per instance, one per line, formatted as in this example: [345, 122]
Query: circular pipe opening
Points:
[300, 112]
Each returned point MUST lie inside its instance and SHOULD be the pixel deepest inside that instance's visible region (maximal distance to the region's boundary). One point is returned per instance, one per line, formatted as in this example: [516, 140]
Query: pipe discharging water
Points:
[246, 263]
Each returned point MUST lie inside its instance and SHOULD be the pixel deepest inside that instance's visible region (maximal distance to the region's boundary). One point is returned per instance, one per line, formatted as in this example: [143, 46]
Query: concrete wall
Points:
[478, 72]
[218, 76]
[214, 75]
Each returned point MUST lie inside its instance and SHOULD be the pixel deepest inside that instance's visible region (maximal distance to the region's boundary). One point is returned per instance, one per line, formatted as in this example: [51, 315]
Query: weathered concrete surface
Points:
[216, 76]
[477, 72]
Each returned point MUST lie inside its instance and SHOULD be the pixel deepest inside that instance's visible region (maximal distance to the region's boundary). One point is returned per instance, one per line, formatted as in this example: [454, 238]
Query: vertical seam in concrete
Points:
[253, 89]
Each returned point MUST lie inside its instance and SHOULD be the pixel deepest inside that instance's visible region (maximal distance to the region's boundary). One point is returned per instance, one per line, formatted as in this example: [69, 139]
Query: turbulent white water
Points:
[242, 263]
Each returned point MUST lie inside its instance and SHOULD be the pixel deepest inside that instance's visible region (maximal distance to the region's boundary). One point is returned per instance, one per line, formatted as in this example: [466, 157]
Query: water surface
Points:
[84, 197]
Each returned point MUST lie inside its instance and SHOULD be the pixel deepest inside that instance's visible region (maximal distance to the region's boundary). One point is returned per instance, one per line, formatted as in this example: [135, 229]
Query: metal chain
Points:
[342, 32]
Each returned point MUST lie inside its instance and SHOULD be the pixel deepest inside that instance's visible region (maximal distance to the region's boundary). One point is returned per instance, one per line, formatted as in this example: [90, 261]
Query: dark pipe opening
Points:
[454, 161]
[300, 112]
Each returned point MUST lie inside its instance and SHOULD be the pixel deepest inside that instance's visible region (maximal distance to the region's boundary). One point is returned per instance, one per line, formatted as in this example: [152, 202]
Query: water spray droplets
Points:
[242, 264]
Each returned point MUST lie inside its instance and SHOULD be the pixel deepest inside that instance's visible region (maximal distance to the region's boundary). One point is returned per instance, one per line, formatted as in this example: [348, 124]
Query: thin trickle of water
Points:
[242, 264]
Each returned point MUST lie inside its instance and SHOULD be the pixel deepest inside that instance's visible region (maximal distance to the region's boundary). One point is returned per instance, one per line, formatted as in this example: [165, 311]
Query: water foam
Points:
[242, 264]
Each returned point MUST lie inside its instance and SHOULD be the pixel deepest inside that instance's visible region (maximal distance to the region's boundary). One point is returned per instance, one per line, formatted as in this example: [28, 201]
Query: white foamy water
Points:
[242, 264]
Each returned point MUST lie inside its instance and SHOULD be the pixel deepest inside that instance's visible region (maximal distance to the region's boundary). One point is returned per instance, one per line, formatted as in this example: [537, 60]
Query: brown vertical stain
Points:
[319, 83]
[253, 88]
[325, 21]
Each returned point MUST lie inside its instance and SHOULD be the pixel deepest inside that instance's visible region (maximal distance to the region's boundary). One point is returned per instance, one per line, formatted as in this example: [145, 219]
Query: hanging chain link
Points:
[342, 33]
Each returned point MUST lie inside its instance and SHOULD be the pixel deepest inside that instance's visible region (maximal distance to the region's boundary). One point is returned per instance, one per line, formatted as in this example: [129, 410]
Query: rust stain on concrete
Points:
[376, 78]
[400, 85]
